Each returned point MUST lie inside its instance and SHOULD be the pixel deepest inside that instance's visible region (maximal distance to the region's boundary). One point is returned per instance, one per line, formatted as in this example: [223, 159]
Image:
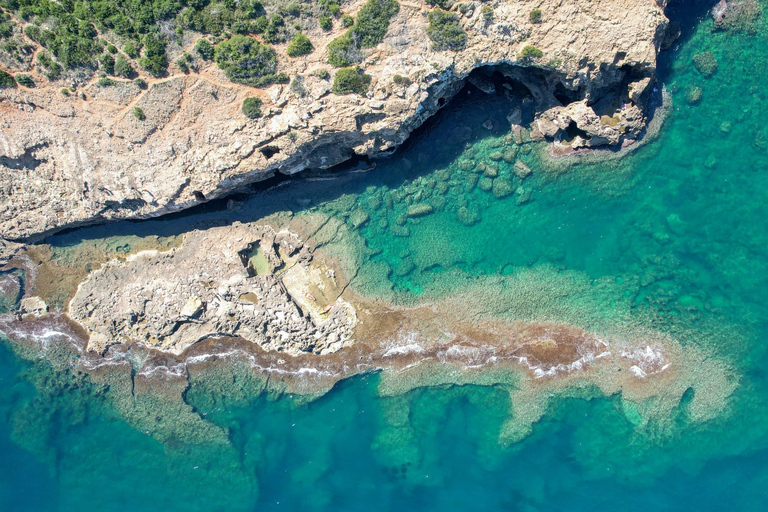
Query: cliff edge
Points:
[117, 149]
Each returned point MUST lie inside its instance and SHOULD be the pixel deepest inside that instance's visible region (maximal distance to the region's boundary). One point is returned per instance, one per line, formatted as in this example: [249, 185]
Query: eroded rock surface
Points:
[211, 287]
[65, 160]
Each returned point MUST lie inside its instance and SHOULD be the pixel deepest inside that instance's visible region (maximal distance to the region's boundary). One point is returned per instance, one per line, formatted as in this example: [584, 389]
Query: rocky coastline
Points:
[79, 159]
[269, 303]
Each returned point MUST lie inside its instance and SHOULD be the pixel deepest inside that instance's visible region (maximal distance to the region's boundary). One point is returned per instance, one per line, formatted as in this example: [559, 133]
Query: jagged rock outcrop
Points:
[67, 160]
[218, 285]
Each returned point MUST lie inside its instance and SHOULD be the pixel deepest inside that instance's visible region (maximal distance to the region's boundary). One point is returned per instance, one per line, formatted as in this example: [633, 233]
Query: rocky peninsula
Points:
[277, 300]
[107, 148]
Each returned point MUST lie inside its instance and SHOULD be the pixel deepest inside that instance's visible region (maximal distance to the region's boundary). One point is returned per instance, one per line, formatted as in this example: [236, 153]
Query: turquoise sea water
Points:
[676, 233]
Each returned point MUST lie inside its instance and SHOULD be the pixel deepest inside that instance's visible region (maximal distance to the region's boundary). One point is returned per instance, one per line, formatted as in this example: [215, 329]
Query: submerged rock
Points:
[358, 218]
[521, 170]
[485, 184]
[693, 94]
[705, 63]
[491, 171]
[467, 217]
[419, 210]
[502, 187]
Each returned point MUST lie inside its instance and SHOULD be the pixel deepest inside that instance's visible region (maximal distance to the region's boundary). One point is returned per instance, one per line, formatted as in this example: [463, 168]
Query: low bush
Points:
[368, 30]
[445, 31]
[251, 108]
[347, 20]
[51, 68]
[154, 60]
[123, 68]
[25, 80]
[204, 49]
[245, 60]
[535, 16]
[531, 52]
[351, 80]
[6, 80]
[275, 30]
[325, 22]
[402, 81]
[487, 12]
[300, 45]
[322, 74]
[297, 87]
[139, 114]
[343, 51]
[107, 63]
[372, 21]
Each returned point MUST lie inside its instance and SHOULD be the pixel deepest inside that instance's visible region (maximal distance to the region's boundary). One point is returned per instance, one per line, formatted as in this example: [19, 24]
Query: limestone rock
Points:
[208, 282]
[33, 306]
[419, 210]
[67, 161]
[521, 169]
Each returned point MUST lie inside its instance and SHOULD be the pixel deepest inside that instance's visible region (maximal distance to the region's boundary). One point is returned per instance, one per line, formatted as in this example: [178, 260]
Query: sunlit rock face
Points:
[68, 160]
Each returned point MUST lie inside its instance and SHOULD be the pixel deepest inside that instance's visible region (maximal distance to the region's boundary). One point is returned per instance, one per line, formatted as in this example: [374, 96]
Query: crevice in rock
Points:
[269, 151]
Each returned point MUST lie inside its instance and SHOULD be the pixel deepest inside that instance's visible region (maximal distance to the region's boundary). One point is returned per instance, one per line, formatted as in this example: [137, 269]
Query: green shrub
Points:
[332, 7]
[123, 68]
[301, 45]
[252, 108]
[351, 80]
[373, 21]
[107, 63]
[259, 25]
[275, 30]
[65, 91]
[369, 29]
[535, 16]
[105, 82]
[402, 81]
[154, 60]
[246, 61]
[347, 20]
[204, 49]
[6, 80]
[297, 87]
[25, 80]
[139, 114]
[131, 50]
[322, 74]
[51, 68]
[141, 83]
[343, 51]
[293, 10]
[112, 48]
[487, 12]
[325, 22]
[445, 31]
[531, 52]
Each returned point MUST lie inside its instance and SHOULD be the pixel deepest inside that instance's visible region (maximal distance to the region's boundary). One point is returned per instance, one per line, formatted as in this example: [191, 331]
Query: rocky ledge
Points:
[245, 280]
[67, 160]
